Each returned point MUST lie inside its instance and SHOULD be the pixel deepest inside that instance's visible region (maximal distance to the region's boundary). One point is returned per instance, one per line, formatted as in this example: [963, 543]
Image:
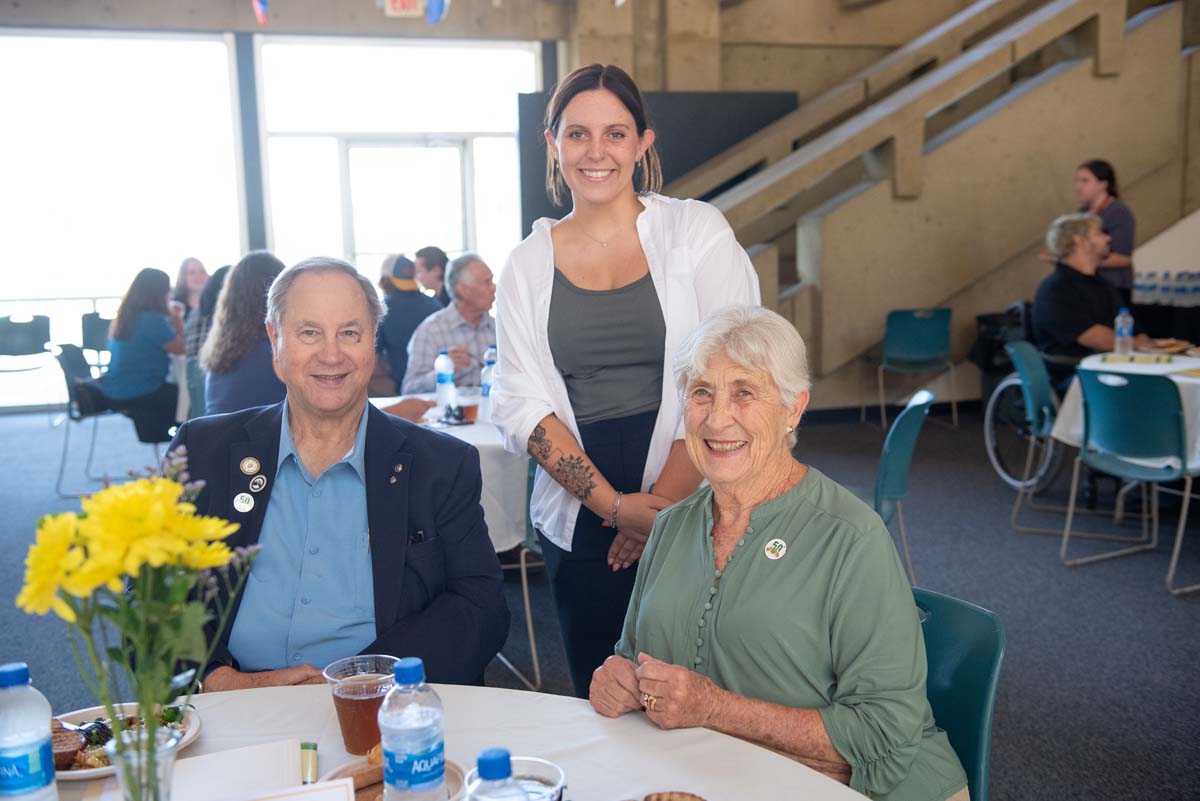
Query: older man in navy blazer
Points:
[373, 539]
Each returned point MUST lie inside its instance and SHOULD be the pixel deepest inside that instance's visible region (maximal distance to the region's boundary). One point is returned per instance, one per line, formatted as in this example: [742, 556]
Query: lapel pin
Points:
[775, 549]
[399, 467]
[257, 483]
[392, 480]
[243, 502]
[249, 466]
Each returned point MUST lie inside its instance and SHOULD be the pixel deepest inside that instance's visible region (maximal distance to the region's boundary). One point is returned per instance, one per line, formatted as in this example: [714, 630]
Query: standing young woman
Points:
[1097, 193]
[590, 311]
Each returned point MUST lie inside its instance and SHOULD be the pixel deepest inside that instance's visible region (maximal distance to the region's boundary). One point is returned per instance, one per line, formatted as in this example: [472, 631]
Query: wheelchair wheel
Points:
[1006, 438]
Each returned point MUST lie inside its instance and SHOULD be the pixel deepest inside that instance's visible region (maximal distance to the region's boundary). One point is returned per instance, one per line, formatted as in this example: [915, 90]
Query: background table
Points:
[1068, 427]
[504, 478]
[604, 759]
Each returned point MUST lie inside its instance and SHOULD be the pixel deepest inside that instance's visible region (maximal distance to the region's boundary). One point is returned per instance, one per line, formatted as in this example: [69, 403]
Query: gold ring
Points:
[648, 701]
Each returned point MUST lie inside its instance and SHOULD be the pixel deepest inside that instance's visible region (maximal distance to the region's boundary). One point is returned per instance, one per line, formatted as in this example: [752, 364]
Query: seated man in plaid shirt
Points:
[464, 328]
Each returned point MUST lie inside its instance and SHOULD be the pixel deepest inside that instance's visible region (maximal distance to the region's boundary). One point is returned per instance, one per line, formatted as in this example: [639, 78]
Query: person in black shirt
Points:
[1074, 309]
[1096, 191]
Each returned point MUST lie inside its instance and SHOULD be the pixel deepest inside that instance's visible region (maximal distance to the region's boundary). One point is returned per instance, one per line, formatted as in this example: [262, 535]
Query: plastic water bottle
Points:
[1166, 294]
[491, 355]
[1123, 327]
[410, 726]
[1149, 284]
[496, 782]
[443, 365]
[26, 753]
[1194, 293]
[485, 389]
[1182, 288]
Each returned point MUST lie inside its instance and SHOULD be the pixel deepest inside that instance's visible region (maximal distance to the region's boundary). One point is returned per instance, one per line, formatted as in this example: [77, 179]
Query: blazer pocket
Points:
[424, 574]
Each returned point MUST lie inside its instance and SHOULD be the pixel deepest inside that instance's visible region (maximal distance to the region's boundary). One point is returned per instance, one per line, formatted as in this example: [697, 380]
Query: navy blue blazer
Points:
[439, 594]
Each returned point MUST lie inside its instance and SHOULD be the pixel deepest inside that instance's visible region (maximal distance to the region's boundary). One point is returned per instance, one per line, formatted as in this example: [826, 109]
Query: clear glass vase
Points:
[144, 773]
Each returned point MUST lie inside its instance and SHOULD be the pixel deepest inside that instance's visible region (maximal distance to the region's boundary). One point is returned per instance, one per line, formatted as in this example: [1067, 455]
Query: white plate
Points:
[190, 718]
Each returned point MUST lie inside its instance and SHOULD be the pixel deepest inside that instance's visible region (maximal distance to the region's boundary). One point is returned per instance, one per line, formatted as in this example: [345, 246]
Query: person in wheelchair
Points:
[1074, 309]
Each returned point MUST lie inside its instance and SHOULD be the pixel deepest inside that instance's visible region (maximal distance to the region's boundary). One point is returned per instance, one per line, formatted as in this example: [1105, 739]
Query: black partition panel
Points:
[691, 128]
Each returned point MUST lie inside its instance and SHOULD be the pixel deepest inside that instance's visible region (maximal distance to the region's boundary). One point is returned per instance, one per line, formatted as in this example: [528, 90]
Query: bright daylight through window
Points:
[117, 153]
[374, 147]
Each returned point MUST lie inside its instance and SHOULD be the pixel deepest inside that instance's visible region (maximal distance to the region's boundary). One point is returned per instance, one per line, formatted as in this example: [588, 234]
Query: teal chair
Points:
[529, 556]
[914, 341]
[1129, 417]
[1041, 411]
[964, 646]
[891, 480]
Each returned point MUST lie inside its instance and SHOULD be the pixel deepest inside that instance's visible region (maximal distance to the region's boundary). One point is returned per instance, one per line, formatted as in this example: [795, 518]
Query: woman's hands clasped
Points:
[679, 698]
[634, 522]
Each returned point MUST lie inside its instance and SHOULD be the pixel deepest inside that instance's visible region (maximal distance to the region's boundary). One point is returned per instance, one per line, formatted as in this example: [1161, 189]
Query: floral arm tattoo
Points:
[576, 475]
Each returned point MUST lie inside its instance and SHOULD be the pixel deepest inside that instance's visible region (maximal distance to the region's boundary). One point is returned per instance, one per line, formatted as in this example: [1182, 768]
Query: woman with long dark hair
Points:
[189, 284]
[147, 331]
[237, 354]
[1097, 193]
[590, 311]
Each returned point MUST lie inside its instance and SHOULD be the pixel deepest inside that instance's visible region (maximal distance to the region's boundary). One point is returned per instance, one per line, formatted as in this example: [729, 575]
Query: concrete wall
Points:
[1174, 249]
[1191, 180]
[992, 184]
[829, 23]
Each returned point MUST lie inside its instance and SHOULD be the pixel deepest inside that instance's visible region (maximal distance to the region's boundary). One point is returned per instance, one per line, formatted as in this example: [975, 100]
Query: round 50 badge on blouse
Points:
[249, 466]
[775, 549]
[243, 502]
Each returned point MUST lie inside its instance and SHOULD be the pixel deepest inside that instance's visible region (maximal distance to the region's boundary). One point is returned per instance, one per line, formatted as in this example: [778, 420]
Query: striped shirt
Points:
[441, 331]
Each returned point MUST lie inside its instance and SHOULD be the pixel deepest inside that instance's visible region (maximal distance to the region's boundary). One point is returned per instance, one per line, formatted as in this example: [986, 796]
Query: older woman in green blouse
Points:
[771, 604]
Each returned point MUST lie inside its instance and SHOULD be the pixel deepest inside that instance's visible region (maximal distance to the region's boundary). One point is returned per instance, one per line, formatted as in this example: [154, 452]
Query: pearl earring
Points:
[790, 429]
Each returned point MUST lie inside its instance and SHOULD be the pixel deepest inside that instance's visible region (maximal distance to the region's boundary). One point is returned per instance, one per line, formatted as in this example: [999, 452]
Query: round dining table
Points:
[1068, 426]
[604, 759]
[504, 476]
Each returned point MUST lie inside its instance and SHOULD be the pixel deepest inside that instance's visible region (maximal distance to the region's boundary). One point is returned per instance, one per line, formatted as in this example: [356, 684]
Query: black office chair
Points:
[95, 336]
[27, 338]
[84, 401]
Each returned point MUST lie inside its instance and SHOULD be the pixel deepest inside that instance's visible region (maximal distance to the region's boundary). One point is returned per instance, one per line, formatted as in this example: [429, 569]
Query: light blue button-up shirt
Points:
[310, 596]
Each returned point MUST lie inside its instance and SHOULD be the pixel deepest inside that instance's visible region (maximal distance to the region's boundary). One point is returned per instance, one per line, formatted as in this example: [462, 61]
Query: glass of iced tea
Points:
[359, 685]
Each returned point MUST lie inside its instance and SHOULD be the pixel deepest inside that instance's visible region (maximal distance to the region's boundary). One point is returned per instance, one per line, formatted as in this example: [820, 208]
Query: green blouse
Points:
[812, 610]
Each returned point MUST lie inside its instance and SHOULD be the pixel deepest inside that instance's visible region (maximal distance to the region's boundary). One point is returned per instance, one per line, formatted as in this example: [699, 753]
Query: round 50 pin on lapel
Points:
[243, 502]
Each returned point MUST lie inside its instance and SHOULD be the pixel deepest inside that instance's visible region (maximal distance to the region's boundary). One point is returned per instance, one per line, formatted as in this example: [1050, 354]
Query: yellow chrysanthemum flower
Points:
[206, 555]
[51, 559]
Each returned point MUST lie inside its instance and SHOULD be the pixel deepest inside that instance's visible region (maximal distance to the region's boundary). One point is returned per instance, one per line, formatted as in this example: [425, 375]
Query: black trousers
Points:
[153, 415]
[591, 598]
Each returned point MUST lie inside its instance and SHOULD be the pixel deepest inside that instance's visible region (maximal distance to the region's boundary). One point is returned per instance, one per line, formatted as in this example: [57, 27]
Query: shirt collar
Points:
[355, 457]
[457, 319]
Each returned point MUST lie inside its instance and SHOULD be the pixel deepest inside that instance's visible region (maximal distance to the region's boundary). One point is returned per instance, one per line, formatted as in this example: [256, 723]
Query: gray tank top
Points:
[609, 346]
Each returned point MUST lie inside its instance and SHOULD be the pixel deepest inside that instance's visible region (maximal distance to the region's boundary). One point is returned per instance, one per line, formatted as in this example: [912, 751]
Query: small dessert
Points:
[66, 743]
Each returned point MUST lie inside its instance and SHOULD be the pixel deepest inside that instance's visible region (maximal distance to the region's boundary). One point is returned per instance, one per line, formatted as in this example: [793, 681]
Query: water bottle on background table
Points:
[496, 782]
[1181, 287]
[1166, 292]
[443, 365]
[410, 726]
[26, 751]
[1123, 327]
[485, 385]
[1145, 287]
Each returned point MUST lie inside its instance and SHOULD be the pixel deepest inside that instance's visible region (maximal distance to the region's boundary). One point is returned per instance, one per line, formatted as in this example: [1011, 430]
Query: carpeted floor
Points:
[1098, 699]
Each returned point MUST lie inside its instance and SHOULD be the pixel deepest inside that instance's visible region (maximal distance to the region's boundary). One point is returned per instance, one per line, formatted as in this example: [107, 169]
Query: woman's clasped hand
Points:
[673, 696]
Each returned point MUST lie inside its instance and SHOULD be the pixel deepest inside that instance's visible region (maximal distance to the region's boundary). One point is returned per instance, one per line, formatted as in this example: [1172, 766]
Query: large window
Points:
[376, 147]
[117, 152]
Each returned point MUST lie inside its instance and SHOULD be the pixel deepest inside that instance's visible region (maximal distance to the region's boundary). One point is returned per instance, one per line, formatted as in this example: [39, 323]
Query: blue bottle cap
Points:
[1122, 311]
[494, 764]
[14, 674]
[409, 670]
[443, 352]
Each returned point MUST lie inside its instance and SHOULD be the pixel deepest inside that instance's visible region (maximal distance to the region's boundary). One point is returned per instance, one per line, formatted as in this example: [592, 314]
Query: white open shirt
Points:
[697, 267]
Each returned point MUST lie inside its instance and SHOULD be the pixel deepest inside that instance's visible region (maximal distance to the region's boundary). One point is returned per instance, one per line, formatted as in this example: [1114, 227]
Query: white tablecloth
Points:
[1068, 427]
[604, 759]
[504, 478]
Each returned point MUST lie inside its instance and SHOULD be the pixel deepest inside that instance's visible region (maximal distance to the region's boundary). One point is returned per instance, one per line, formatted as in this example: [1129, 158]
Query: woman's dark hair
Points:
[238, 324]
[212, 291]
[1103, 171]
[647, 176]
[148, 292]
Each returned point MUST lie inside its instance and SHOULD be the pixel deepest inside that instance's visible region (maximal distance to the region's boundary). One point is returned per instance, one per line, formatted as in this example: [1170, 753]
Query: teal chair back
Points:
[25, 338]
[916, 335]
[1035, 386]
[964, 646]
[891, 482]
[1132, 417]
[95, 331]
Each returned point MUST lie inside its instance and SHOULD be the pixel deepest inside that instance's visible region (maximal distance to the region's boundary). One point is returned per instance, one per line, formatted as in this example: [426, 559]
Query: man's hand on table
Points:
[226, 678]
[614, 689]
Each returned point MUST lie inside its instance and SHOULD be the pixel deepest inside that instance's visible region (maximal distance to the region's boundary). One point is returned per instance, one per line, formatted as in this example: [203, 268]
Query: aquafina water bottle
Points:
[443, 365]
[1123, 328]
[410, 726]
[26, 752]
[496, 782]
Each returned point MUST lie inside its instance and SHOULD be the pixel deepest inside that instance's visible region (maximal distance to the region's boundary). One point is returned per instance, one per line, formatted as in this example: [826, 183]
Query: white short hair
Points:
[277, 294]
[752, 337]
